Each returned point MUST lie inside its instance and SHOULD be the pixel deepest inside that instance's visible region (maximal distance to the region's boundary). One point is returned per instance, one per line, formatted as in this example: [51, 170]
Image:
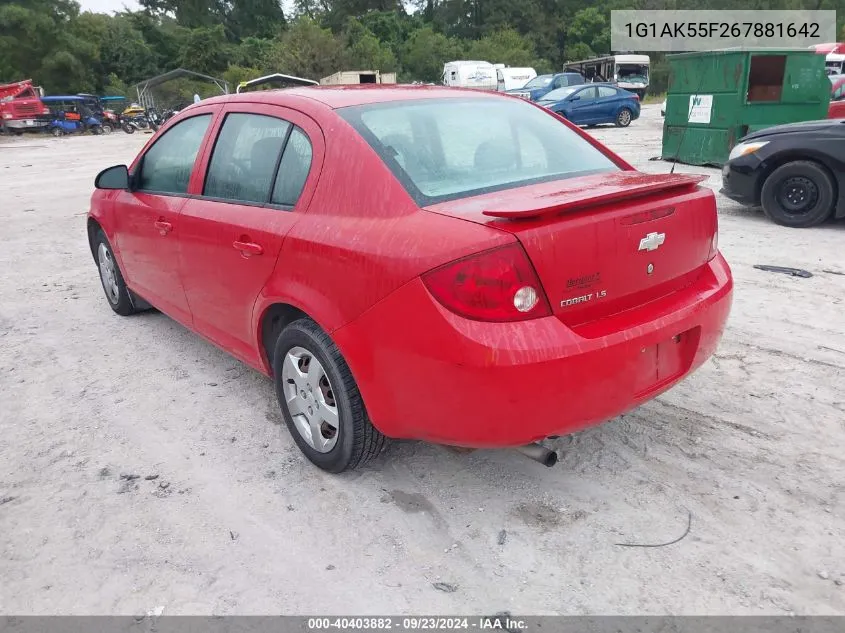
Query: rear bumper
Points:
[428, 374]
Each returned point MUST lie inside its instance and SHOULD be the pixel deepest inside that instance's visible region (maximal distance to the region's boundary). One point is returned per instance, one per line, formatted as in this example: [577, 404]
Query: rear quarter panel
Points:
[362, 236]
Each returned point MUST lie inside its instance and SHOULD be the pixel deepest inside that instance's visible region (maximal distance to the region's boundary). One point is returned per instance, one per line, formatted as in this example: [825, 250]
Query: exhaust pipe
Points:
[539, 453]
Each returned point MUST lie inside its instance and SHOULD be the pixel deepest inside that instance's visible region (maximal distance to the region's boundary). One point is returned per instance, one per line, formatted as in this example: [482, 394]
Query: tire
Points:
[799, 194]
[129, 129]
[354, 441]
[117, 294]
[57, 132]
[107, 129]
[624, 117]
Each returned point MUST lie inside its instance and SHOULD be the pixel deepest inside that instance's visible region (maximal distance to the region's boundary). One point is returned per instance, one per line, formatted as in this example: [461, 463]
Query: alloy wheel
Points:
[108, 273]
[310, 400]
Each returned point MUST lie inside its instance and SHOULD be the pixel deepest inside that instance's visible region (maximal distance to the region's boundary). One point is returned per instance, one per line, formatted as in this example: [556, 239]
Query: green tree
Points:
[236, 74]
[425, 53]
[591, 27]
[204, 50]
[125, 53]
[578, 51]
[364, 51]
[255, 19]
[504, 47]
[306, 50]
[252, 52]
[188, 13]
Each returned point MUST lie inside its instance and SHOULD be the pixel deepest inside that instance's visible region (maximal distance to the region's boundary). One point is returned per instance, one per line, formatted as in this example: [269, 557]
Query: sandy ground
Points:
[226, 517]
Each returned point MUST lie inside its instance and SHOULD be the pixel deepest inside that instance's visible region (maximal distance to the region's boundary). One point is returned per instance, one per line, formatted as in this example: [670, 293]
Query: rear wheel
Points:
[320, 401]
[57, 131]
[107, 129]
[624, 118]
[799, 194]
[129, 129]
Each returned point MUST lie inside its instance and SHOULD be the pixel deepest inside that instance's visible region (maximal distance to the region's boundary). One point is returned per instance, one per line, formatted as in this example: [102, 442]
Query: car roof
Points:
[346, 96]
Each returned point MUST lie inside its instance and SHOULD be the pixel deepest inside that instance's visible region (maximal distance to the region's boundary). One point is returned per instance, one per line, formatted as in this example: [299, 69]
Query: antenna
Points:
[686, 127]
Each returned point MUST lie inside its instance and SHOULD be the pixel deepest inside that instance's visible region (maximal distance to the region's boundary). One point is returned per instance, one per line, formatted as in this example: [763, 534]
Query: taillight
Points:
[495, 285]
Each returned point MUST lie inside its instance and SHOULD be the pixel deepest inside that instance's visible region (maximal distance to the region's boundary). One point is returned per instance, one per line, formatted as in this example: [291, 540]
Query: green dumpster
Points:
[717, 97]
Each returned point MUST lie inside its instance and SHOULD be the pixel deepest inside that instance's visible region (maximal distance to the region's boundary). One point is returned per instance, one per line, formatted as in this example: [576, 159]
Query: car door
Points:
[147, 215]
[256, 181]
[607, 102]
[582, 109]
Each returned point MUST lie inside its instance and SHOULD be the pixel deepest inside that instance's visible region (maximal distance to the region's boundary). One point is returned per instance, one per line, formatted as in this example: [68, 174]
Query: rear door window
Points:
[293, 170]
[245, 158]
[606, 91]
[167, 165]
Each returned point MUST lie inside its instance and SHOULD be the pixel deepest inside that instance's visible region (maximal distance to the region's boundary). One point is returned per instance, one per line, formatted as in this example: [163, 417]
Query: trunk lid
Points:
[604, 243]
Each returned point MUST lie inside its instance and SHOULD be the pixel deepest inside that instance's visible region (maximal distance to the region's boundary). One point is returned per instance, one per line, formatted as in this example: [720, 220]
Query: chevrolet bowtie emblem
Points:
[652, 241]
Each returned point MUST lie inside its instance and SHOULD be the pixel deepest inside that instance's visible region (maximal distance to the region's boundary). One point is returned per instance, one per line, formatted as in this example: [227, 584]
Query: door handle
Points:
[163, 227]
[248, 248]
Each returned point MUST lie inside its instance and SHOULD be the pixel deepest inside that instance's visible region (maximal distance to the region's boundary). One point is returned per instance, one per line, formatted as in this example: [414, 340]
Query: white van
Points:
[470, 74]
[513, 78]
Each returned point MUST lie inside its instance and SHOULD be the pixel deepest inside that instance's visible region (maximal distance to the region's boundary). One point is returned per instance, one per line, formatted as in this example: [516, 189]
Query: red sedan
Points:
[429, 263]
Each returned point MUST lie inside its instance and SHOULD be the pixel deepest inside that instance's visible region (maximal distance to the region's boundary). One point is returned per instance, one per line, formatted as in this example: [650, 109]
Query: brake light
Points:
[495, 285]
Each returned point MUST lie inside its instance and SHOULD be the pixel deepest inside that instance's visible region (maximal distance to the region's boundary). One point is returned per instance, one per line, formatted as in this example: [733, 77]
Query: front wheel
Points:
[624, 118]
[107, 129]
[799, 194]
[117, 294]
[57, 131]
[320, 401]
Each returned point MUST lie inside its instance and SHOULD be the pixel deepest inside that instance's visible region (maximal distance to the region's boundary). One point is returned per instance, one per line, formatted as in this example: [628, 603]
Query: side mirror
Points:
[116, 177]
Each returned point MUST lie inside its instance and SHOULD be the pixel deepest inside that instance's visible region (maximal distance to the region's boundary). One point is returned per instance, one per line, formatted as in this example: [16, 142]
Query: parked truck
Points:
[21, 108]
[354, 77]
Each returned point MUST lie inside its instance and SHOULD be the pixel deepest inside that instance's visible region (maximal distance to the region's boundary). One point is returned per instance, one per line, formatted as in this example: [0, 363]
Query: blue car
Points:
[592, 104]
[541, 85]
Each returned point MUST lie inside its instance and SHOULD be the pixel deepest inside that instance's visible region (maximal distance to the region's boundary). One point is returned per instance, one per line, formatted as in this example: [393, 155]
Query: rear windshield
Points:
[445, 149]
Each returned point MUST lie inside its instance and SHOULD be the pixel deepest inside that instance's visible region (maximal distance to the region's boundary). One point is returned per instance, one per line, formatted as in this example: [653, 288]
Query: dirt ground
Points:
[226, 517]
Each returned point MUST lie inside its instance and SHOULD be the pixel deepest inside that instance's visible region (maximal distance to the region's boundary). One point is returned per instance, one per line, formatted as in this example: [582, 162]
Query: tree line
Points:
[66, 50]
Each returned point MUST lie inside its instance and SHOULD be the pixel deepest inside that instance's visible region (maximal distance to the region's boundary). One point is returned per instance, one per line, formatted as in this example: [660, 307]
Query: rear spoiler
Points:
[589, 191]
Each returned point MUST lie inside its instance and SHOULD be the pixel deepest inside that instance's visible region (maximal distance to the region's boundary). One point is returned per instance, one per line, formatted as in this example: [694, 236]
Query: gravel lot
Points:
[226, 517]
